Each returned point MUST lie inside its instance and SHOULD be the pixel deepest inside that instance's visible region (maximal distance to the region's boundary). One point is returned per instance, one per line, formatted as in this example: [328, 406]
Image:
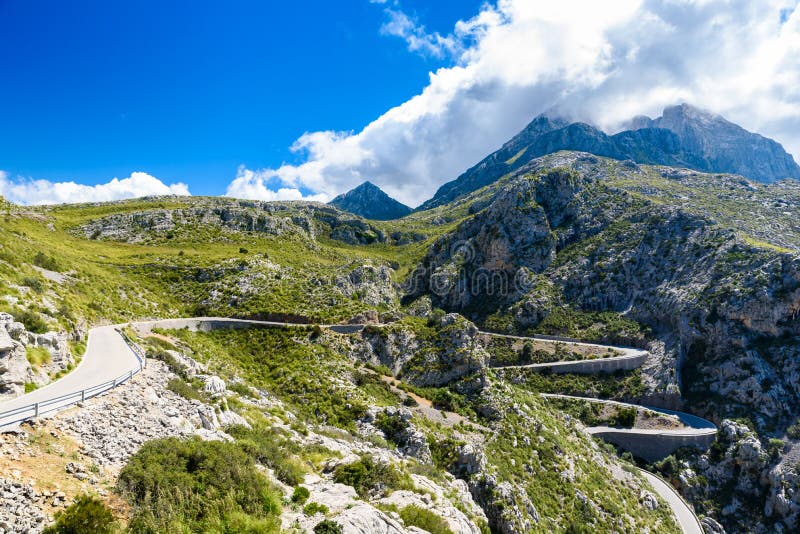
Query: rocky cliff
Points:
[720, 297]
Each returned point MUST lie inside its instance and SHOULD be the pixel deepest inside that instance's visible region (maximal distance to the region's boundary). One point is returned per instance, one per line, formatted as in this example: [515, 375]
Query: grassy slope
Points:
[333, 390]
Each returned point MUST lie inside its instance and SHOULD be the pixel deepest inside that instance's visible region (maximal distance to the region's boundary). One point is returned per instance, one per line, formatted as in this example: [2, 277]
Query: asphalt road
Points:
[107, 357]
[687, 520]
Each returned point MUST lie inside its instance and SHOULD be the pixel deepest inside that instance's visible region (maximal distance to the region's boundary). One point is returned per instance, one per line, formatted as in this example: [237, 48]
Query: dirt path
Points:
[426, 409]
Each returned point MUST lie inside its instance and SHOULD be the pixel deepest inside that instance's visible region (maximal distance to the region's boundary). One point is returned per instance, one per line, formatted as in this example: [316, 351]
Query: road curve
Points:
[699, 432]
[652, 444]
[107, 357]
[687, 519]
[627, 361]
[109, 361]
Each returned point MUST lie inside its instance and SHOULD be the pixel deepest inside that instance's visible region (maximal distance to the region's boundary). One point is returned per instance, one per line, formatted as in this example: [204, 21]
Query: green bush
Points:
[169, 359]
[326, 526]
[38, 356]
[368, 477]
[793, 431]
[269, 449]
[86, 514]
[34, 283]
[315, 508]
[444, 399]
[415, 516]
[624, 418]
[33, 321]
[178, 485]
[185, 390]
[444, 451]
[46, 262]
[392, 426]
[242, 389]
[300, 495]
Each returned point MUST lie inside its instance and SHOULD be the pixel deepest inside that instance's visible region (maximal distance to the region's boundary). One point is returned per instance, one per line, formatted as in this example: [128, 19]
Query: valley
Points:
[443, 371]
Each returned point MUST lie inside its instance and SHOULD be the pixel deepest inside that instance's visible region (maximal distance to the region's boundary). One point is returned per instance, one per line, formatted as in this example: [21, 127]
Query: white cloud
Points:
[254, 185]
[138, 184]
[598, 61]
[415, 35]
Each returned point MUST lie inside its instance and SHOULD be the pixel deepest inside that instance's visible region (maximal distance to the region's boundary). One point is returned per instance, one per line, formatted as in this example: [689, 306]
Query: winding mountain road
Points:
[109, 361]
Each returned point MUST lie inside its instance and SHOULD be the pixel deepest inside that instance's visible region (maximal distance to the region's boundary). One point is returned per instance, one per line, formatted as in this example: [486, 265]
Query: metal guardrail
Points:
[36, 409]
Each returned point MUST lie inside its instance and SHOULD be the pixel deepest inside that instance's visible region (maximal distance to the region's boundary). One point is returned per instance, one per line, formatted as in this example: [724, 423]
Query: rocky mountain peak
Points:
[683, 136]
[371, 202]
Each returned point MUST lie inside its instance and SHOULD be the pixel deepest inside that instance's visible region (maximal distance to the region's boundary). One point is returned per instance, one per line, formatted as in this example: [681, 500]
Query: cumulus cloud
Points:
[264, 185]
[138, 184]
[601, 62]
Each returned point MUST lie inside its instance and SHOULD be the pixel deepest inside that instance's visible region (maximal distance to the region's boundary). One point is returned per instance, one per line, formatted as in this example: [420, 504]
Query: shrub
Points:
[178, 485]
[242, 389]
[326, 526]
[268, 449]
[367, 477]
[793, 431]
[410, 401]
[393, 426]
[527, 352]
[415, 516]
[37, 356]
[444, 399]
[774, 447]
[46, 262]
[34, 283]
[668, 466]
[184, 389]
[444, 451]
[86, 514]
[625, 417]
[169, 359]
[313, 508]
[33, 321]
[300, 495]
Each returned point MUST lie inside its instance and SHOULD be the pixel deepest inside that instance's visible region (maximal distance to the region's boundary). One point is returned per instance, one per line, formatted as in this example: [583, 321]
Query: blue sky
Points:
[189, 91]
[101, 100]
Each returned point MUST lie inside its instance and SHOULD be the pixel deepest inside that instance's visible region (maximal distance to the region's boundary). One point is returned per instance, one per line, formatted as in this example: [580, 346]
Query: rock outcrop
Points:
[15, 368]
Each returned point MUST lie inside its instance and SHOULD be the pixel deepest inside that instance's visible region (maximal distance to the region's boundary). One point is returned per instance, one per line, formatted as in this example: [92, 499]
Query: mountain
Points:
[369, 201]
[699, 270]
[683, 136]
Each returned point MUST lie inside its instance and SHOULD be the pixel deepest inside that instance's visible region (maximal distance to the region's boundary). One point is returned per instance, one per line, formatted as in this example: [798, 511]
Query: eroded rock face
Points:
[454, 354]
[371, 284]
[759, 477]
[481, 257]
[15, 369]
[224, 218]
